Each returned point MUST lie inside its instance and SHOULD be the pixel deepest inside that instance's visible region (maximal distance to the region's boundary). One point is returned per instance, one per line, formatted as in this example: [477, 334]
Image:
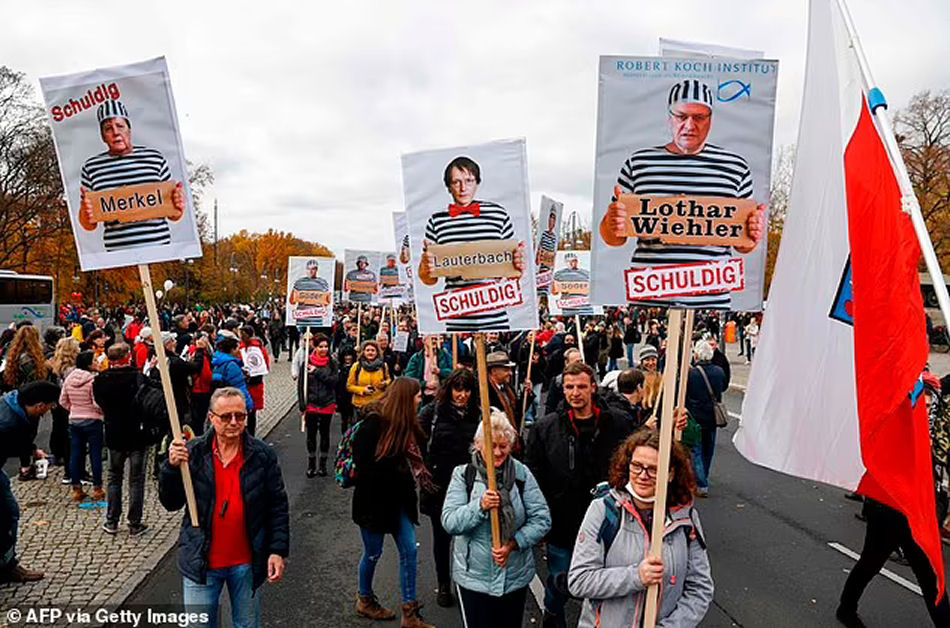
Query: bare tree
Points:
[923, 133]
[32, 211]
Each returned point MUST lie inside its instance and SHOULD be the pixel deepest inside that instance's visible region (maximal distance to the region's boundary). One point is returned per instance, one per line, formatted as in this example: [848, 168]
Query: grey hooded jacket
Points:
[611, 588]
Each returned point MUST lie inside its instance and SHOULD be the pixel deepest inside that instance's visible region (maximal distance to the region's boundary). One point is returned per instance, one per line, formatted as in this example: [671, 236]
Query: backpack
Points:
[344, 469]
[471, 473]
[610, 526]
[149, 404]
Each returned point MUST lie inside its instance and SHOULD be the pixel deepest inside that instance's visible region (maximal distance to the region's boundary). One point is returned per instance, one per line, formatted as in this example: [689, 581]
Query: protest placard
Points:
[360, 278]
[570, 285]
[685, 181]
[549, 230]
[310, 291]
[470, 196]
[123, 167]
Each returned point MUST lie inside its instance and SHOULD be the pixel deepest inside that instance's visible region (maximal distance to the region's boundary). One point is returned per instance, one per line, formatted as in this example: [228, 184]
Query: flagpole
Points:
[909, 201]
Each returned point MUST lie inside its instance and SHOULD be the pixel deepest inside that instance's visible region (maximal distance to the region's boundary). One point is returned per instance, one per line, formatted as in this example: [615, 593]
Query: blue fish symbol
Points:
[742, 88]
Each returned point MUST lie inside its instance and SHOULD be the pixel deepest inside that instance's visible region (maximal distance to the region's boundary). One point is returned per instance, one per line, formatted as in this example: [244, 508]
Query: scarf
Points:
[373, 366]
[505, 480]
[318, 361]
[420, 471]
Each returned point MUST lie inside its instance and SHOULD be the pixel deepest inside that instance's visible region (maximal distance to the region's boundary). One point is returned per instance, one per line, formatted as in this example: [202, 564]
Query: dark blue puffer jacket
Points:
[265, 505]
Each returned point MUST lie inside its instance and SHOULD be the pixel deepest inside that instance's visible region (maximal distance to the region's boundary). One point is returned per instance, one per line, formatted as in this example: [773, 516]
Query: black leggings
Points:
[480, 610]
[252, 422]
[441, 547]
[315, 421]
[886, 531]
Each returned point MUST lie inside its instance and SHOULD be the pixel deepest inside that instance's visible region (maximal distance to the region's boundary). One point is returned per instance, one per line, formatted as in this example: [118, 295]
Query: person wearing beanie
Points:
[647, 358]
[124, 164]
[687, 165]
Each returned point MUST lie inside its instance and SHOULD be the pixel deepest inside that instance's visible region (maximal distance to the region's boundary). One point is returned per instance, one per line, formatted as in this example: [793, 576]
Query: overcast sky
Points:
[303, 109]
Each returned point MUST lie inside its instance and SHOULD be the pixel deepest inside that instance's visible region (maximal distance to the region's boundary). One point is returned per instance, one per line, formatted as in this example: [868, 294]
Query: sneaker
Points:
[27, 474]
[702, 492]
[110, 528]
[66, 480]
[136, 529]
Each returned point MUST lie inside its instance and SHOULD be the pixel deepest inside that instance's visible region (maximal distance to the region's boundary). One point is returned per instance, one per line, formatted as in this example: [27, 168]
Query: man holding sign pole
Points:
[569, 451]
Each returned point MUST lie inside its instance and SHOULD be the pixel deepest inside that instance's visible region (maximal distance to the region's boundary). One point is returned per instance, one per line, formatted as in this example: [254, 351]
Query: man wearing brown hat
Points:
[501, 394]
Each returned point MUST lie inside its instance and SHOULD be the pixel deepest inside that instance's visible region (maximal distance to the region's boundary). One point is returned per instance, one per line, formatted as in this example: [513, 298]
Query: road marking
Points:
[890, 575]
[537, 590]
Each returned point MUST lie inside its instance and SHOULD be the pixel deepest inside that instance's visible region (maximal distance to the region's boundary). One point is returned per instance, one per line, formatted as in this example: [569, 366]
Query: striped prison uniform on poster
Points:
[107, 172]
[365, 276]
[571, 275]
[711, 172]
[547, 243]
[492, 223]
[309, 284]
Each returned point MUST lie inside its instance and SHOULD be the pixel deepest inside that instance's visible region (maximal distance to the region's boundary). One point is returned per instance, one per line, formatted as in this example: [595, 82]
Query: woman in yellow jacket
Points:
[369, 377]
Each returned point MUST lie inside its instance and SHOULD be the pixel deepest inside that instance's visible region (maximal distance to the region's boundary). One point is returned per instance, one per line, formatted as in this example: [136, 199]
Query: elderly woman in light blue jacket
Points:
[493, 583]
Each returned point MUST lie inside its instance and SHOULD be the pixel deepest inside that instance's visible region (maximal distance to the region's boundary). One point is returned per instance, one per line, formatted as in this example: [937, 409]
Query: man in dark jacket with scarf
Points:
[20, 412]
[243, 533]
[114, 390]
[569, 453]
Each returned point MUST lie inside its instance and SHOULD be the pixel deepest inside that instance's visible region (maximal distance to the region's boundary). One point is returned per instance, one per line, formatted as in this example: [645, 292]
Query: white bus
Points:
[26, 298]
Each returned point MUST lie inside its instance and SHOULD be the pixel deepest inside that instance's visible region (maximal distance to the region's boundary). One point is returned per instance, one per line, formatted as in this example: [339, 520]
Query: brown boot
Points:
[78, 494]
[369, 606]
[21, 574]
[411, 617]
[98, 494]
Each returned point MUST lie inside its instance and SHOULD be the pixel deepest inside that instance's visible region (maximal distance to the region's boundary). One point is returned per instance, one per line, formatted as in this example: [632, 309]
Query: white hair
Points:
[702, 350]
[499, 425]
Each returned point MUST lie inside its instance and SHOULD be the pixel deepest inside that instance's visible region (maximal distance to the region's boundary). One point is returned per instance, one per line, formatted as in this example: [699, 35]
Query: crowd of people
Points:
[574, 446]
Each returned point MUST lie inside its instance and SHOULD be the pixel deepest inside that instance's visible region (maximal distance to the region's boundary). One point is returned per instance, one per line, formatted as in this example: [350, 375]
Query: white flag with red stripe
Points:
[843, 341]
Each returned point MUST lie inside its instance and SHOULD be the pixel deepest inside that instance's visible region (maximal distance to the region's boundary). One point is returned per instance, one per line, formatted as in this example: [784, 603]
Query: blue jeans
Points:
[630, 361]
[373, 549]
[9, 522]
[703, 455]
[559, 561]
[79, 436]
[203, 598]
[611, 364]
[531, 414]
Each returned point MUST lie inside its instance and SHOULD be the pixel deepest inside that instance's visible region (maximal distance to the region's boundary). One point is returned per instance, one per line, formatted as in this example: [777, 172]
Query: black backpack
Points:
[471, 472]
[150, 405]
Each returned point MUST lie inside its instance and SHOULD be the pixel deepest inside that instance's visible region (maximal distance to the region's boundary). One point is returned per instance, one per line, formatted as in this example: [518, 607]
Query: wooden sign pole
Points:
[580, 343]
[527, 378]
[487, 452]
[305, 375]
[146, 276]
[684, 364]
[663, 464]
[359, 326]
[455, 352]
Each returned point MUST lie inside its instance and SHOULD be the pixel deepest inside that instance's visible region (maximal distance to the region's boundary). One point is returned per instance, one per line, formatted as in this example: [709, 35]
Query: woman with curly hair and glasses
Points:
[610, 568]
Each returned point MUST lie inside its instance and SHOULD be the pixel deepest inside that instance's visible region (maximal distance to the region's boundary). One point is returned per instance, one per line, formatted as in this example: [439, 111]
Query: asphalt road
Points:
[768, 538]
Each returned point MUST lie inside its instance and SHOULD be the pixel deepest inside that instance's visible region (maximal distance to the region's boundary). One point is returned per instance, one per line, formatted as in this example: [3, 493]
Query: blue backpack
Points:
[610, 526]
[344, 467]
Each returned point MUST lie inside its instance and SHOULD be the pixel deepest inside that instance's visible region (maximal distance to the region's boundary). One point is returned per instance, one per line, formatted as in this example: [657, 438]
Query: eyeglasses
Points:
[228, 417]
[636, 469]
[698, 118]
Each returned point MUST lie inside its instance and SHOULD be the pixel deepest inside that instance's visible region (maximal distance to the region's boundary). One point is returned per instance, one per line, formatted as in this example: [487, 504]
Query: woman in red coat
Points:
[255, 385]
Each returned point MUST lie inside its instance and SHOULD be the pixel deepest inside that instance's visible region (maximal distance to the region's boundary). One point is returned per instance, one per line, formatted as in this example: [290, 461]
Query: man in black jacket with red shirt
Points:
[569, 453]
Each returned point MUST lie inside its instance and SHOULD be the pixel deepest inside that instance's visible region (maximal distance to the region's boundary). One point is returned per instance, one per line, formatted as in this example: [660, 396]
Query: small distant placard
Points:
[695, 220]
[401, 341]
[254, 361]
[479, 259]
